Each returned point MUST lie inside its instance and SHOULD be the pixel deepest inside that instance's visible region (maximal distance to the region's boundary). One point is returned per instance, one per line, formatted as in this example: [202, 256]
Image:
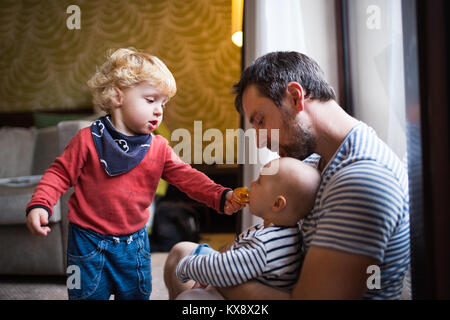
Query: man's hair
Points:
[126, 68]
[272, 72]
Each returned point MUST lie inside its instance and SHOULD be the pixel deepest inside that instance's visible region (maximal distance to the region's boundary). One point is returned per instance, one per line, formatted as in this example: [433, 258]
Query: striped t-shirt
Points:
[271, 255]
[362, 208]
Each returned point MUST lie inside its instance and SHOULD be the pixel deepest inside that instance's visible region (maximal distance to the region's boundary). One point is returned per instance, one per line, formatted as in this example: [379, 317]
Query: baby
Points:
[270, 252]
[115, 166]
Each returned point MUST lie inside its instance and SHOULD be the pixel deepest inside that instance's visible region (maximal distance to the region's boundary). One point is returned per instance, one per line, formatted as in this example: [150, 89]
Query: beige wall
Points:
[45, 66]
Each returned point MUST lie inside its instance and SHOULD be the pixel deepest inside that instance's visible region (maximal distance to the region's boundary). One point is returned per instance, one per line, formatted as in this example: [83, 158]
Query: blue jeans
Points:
[109, 265]
[203, 248]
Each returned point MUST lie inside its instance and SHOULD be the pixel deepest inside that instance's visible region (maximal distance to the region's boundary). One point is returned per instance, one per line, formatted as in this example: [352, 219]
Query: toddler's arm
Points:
[57, 179]
[37, 221]
[197, 185]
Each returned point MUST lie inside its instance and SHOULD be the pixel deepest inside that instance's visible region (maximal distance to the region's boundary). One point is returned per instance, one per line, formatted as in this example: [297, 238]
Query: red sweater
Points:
[118, 205]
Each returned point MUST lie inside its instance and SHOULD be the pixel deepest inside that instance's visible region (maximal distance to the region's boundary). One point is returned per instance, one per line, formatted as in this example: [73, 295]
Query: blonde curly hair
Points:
[126, 68]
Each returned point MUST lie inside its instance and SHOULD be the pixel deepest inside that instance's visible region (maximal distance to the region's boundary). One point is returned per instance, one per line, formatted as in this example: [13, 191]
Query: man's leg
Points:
[178, 252]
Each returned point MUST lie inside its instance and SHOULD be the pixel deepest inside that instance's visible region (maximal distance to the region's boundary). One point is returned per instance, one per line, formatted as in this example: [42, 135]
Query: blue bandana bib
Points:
[117, 152]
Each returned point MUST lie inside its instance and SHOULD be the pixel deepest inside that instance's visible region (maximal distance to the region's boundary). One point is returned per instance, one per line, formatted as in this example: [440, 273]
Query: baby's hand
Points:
[37, 222]
[230, 205]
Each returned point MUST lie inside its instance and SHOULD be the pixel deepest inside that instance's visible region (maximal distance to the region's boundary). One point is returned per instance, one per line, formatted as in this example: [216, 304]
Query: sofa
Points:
[25, 153]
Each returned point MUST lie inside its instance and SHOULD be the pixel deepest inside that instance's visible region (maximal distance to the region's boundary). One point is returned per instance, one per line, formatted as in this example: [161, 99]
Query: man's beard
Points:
[301, 142]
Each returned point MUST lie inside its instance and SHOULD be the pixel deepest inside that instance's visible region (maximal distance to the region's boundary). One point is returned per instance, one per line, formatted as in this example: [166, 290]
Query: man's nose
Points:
[262, 137]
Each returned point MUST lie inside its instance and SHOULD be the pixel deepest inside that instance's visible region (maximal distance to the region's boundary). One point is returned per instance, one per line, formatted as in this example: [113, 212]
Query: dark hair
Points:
[272, 72]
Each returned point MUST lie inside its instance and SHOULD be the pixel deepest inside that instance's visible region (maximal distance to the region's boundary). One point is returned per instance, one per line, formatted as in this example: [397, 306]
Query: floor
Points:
[54, 288]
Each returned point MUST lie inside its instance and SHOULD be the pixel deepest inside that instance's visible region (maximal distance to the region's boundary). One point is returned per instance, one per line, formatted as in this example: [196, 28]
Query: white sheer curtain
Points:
[377, 68]
[269, 26]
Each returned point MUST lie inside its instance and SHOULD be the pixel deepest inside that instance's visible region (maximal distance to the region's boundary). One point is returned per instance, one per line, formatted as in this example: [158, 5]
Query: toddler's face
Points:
[142, 108]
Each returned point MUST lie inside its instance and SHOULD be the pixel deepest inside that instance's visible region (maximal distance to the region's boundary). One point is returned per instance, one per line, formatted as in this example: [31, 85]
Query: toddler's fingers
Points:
[45, 230]
[44, 218]
[31, 227]
[36, 227]
[236, 206]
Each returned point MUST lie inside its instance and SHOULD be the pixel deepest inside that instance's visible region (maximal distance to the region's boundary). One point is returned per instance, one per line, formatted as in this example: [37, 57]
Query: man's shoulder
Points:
[367, 176]
[367, 167]
[363, 154]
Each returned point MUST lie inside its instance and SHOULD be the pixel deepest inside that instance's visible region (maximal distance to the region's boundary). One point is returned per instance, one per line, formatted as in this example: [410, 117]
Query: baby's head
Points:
[285, 195]
[133, 78]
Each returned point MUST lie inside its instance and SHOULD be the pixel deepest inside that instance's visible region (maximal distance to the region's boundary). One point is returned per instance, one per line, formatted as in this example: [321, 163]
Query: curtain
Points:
[377, 69]
[269, 26]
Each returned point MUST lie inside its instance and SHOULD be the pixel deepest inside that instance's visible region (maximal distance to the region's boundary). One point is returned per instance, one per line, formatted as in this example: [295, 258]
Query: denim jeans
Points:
[109, 265]
[203, 248]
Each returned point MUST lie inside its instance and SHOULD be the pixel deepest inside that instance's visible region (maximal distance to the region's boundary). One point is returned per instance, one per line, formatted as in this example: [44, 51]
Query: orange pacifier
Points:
[240, 195]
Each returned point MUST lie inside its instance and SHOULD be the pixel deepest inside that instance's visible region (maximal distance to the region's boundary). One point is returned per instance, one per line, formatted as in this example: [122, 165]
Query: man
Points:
[357, 235]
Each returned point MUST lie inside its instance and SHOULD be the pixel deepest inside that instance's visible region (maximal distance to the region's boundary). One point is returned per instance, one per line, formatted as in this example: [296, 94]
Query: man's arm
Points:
[253, 290]
[332, 274]
[326, 274]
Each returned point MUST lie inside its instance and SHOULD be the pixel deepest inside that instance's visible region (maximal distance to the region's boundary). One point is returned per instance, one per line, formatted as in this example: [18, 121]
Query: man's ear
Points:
[279, 203]
[117, 98]
[296, 94]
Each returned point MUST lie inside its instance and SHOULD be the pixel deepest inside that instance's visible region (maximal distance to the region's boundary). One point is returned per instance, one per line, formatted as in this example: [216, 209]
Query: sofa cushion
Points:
[27, 254]
[16, 151]
[68, 129]
[45, 150]
[15, 193]
[51, 119]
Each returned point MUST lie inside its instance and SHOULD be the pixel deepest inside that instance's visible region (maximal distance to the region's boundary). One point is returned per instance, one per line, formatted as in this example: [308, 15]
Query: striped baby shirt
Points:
[362, 208]
[270, 255]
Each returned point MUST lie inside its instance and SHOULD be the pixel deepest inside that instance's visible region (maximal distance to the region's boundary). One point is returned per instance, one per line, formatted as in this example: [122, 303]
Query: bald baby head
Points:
[295, 184]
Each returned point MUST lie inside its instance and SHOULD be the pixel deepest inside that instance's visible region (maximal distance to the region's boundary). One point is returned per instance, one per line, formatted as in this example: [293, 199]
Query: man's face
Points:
[295, 139]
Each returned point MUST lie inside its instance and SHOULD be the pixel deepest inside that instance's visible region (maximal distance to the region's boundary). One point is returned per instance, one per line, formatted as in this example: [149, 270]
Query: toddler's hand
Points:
[37, 222]
[230, 205]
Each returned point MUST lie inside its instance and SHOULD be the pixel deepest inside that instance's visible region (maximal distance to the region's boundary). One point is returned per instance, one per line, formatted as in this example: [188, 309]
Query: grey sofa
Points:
[24, 156]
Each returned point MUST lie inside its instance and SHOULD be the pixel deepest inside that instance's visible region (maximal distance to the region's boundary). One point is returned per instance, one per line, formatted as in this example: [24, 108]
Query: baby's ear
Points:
[279, 203]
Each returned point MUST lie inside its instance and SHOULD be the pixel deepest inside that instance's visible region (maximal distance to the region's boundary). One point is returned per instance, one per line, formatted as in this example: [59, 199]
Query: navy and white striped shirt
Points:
[271, 255]
[362, 208]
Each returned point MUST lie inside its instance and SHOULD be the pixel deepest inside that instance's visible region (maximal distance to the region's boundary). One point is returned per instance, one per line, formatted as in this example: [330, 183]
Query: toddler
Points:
[115, 166]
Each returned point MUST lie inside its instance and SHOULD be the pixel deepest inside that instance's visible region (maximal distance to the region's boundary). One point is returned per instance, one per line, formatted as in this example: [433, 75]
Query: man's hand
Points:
[231, 206]
[37, 222]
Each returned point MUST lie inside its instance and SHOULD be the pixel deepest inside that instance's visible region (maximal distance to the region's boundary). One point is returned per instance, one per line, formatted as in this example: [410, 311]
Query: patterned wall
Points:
[45, 66]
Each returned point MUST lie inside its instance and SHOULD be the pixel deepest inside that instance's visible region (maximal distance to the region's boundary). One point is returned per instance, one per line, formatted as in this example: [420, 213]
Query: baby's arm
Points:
[225, 269]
